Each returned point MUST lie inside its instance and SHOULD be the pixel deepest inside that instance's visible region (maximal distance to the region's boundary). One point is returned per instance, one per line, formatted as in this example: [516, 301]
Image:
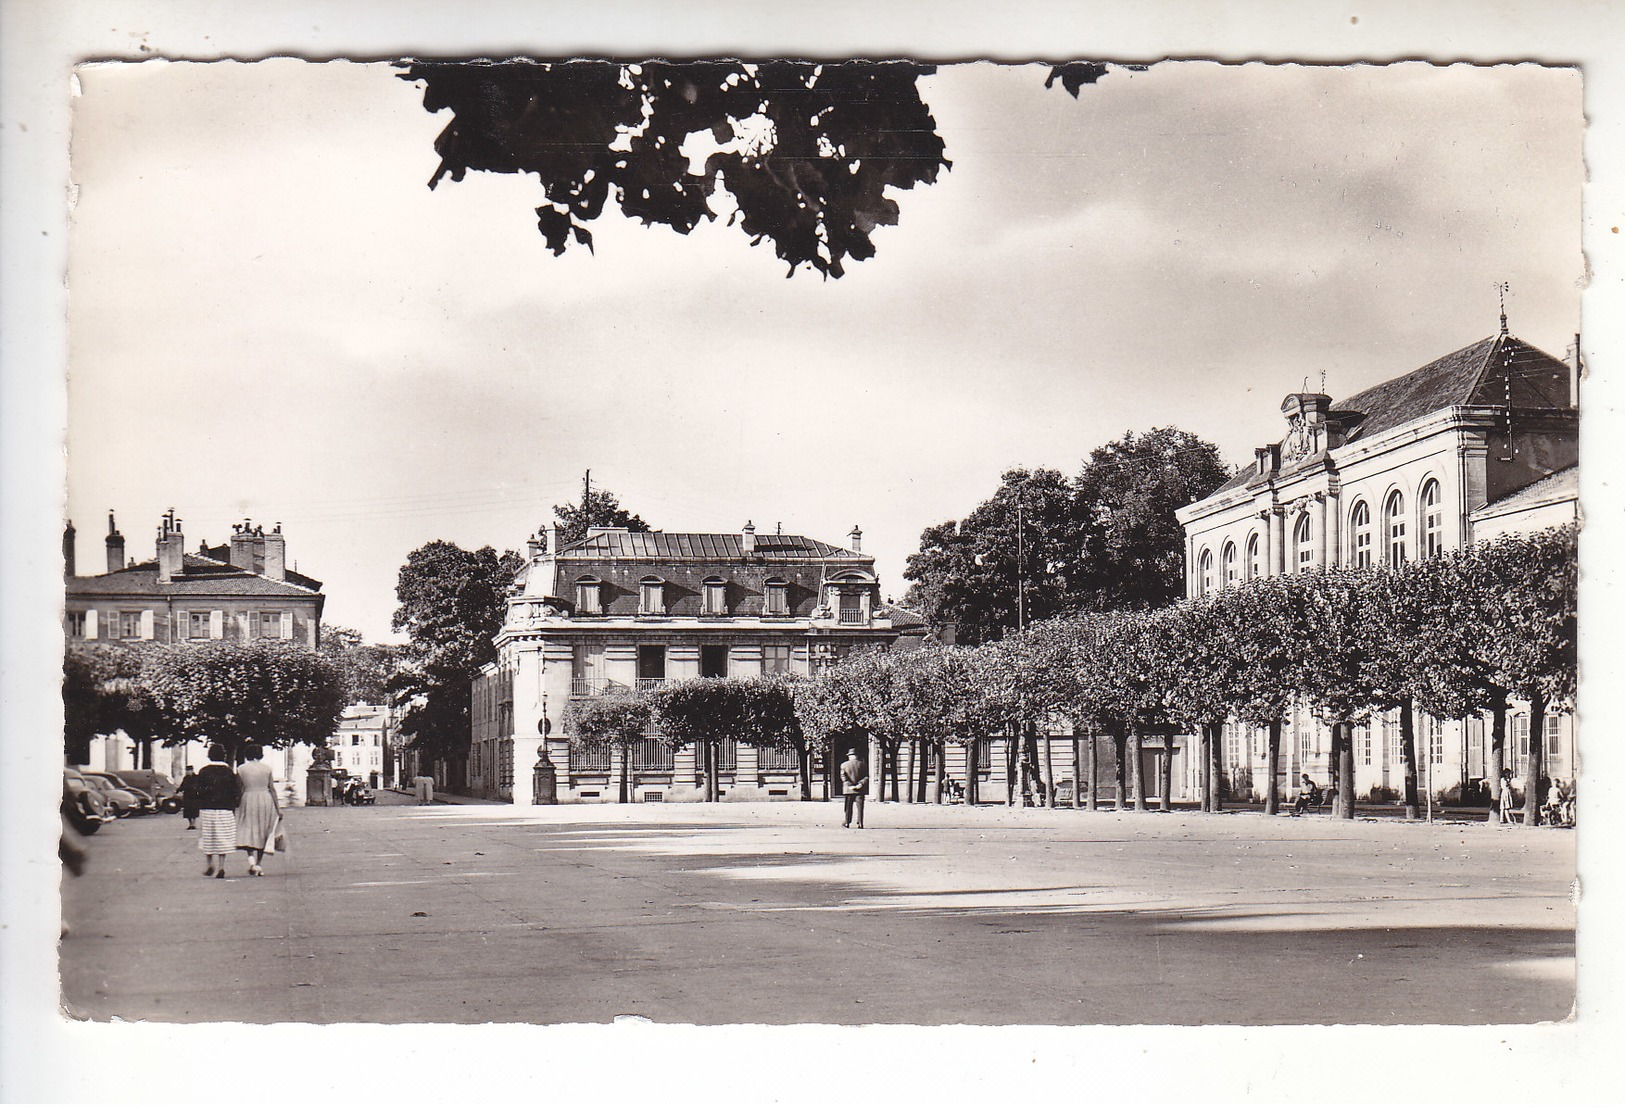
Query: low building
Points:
[624, 611]
[1480, 443]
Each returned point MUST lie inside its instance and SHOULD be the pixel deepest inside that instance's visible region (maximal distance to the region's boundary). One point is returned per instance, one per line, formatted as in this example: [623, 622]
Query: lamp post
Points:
[544, 778]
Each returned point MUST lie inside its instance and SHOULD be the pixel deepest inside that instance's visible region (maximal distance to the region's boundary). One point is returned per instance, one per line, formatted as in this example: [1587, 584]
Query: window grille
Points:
[589, 757]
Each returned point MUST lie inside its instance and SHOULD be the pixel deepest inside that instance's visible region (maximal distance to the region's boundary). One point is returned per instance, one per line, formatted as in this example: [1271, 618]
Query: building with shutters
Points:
[1480, 443]
[624, 611]
[238, 592]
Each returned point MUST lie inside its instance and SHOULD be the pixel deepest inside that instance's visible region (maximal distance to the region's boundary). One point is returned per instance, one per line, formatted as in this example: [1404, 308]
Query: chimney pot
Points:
[747, 538]
[857, 539]
[115, 546]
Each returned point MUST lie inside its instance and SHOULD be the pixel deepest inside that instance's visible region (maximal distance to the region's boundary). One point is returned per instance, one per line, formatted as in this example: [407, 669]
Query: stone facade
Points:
[622, 611]
[1480, 443]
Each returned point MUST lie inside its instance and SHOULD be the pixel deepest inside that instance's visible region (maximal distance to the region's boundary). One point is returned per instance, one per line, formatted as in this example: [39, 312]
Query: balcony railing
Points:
[589, 686]
[852, 615]
[650, 684]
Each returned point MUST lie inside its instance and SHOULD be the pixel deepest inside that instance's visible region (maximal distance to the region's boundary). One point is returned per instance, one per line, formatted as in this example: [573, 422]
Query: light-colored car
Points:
[82, 804]
[120, 799]
[158, 786]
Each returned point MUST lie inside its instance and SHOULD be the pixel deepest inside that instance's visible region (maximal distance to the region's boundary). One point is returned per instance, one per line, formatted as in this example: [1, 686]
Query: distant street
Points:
[773, 914]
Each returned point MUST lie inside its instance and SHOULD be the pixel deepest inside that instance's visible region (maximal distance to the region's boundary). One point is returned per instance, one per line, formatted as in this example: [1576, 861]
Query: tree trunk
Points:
[1049, 772]
[1077, 770]
[1533, 780]
[1407, 753]
[713, 771]
[1215, 770]
[1204, 746]
[913, 748]
[1272, 770]
[1120, 788]
[1343, 743]
[939, 776]
[1136, 769]
[1092, 802]
[973, 777]
[1010, 758]
[896, 754]
[1166, 785]
[804, 772]
[626, 783]
[1496, 759]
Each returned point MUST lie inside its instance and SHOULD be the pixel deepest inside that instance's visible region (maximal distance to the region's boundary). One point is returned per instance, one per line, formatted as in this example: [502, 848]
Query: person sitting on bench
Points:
[1308, 797]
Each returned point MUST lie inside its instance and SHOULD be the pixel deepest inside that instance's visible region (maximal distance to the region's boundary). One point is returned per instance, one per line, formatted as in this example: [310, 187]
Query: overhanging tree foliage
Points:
[617, 721]
[102, 693]
[367, 667]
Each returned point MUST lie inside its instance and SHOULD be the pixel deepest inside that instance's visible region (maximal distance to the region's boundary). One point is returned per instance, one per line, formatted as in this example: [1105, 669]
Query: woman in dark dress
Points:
[216, 792]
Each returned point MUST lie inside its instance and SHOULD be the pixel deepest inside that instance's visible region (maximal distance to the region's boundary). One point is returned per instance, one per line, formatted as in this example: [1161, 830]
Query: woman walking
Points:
[215, 791]
[258, 818]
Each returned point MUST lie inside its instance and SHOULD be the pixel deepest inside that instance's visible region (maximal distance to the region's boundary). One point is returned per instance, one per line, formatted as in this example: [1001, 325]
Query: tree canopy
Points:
[598, 508]
[809, 153]
[367, 667]
[452, 604]
[265, 691]
[102, 692]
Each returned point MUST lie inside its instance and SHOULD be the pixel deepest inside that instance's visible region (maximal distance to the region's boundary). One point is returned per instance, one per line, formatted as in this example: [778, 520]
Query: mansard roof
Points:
[199, 576]
[1497, 371]
[1501, 370]
[673, 546]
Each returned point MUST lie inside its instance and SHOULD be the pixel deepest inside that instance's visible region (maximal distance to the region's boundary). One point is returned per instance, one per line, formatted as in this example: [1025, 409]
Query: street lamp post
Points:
[544, 778]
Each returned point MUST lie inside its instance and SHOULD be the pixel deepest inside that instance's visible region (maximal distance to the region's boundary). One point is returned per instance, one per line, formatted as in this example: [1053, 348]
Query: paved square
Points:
[773, 914]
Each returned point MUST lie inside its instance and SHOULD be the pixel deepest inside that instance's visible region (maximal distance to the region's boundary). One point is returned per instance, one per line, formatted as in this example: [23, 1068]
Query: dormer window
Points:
[652, 597]
[589, 596]
[714, 597]
[776, 597]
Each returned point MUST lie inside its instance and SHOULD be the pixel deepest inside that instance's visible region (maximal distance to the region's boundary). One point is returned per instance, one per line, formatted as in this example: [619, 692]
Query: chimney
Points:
[171, 548]
[551, 535]
[276, 555]
[1312, 406]
[115, 546]
[536, 546]
[242, 546]
[1269, 459]
[68, 534]
[747, 539]
[857, 539]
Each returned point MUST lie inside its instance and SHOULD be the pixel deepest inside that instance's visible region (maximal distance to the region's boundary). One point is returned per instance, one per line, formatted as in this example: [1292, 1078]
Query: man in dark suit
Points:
[854, 786]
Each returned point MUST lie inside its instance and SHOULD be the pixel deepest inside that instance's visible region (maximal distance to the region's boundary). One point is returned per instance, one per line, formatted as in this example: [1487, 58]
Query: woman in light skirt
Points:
[258, 817]
[216, 793]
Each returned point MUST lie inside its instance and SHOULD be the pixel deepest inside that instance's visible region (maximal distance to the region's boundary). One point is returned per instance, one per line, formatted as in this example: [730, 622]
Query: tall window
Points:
[652, 597]
[714, 601]
[1302, 542]
[1433, 735]
[1432, 519]
[1365, 744]
[713, 660]
[1393, 526]
[775, 659]
[589, 596]
[776, 597]
[76, 625]
[1520, 737]
[587, 669]
[129, 625]
[1553, 734]
[1255, 558]
[1360, 526]
[1232, 569]
[1206, 573]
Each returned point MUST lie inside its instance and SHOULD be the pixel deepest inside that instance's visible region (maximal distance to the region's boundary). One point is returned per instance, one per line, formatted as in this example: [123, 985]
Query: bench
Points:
[1328, 798]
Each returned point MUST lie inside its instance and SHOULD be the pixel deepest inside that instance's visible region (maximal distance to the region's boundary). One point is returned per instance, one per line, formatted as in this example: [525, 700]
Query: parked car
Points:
[122, 801]
[82, 804]
[165, 796]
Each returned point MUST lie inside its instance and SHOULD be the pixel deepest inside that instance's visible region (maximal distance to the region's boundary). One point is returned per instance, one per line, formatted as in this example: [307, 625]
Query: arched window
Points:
[1302, 536]
[589, 596]
[1255, 558]
[1360, 529]
[714, 599]
[1206, 575]
[652, 597]
[1393, 526]
[1432, 520]
[1232, 569]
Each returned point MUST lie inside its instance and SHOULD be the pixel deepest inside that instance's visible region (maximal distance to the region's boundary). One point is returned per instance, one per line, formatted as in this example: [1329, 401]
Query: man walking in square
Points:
[854, 786]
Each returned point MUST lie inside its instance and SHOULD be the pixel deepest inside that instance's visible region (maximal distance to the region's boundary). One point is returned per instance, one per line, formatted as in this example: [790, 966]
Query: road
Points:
[774, 914]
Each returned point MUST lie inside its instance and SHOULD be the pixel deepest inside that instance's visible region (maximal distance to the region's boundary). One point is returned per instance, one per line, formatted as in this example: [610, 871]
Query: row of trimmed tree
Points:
[1464, 634]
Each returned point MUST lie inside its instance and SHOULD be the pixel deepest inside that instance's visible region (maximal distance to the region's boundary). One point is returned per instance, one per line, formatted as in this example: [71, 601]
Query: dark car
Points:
[165, 796]
[123, 801]
[82, 804]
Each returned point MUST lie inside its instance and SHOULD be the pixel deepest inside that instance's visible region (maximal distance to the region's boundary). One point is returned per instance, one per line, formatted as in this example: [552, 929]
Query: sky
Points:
[271, 315]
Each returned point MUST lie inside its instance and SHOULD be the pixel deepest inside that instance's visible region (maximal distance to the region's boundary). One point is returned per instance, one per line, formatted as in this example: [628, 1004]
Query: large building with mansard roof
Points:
[621, 610]
[1479, 443]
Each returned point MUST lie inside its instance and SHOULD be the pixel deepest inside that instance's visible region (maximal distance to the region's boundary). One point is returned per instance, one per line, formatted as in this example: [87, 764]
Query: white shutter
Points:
[183, 625]
[112, 625]
[91, 623]
[146, 624]
[217, 625]
[287, 625]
